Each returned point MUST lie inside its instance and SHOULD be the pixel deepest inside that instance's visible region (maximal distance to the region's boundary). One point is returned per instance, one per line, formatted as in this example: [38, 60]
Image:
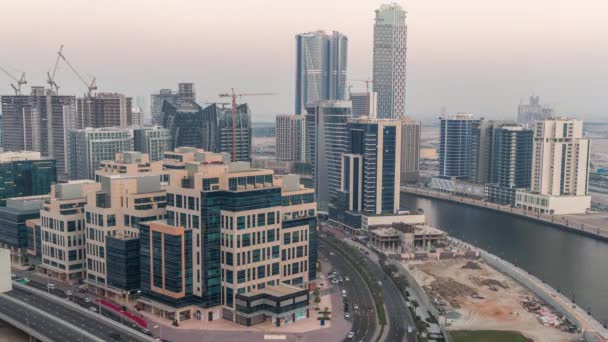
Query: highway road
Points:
[364, 319]
[85, 322]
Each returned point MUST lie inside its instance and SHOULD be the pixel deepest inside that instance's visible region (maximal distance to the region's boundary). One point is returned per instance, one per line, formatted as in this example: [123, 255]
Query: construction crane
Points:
[232, 94]
[367, 82]
[50, 75]
[20, 81]
[90, 86]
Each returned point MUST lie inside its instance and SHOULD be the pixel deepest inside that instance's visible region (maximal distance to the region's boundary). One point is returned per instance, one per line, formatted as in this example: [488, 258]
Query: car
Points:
[87, 300]
[92, 308]
[351, 334]
[68, 293]
[409, 329]
[346, 278]
[346, 315]
[332, 253]
[356, 307]
[50, 286]
[334, 281]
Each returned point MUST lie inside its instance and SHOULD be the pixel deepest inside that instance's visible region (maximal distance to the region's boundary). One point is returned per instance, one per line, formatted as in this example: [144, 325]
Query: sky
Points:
[476, 56]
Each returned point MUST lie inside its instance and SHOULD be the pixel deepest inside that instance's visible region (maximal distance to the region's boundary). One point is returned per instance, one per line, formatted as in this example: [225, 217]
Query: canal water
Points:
[575, 265]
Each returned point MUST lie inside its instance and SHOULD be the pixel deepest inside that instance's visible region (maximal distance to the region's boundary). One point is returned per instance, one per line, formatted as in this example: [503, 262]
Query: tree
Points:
[317, 299]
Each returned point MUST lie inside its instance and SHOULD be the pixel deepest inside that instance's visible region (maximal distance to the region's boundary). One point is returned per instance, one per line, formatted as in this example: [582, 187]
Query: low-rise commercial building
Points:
[13, 228]
[25, 173]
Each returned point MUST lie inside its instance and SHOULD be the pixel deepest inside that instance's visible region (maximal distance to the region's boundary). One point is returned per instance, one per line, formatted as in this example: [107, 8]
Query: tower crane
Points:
[90, 85]
[367, 82]
[20, 81]
[232, 94]
[50, 75]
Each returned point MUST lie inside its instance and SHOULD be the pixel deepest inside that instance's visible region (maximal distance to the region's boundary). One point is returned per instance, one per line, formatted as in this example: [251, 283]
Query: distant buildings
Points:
[186, 91]
[321, 60]
[242, 133]
[364, 104]
[39, 122]
[153, 141]
[560, 167]
[410, 150]
[290, 137]
[184, 119]
[326, 141]
[25, 174]
[533, 111]
[106, 110]
[390, 45]
[455, 145]
[90, 146]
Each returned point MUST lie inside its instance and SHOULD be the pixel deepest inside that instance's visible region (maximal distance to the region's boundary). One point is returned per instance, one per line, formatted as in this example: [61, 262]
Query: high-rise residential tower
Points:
[455, 145]
[410, 150]
[390, 45]
[560, 169]
[153, 141]
[290, 137]
[326, 141]
[533, 111]
[242, 132]
[186, 91]
[321, 59]
[105, 110]
[364, 104]
[90, 146]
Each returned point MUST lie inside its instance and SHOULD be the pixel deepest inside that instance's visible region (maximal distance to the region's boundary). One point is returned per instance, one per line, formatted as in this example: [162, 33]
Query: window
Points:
[275, 252]
[256, 255]
[270, 235]
[240, 222]
[261, 272]
[271, 218]
[240, 276]
[286, 238]
[261, 220]
[111, 220]
[229, 259]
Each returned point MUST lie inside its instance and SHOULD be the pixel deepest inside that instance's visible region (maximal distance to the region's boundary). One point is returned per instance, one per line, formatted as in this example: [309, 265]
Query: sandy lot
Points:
[456, 281]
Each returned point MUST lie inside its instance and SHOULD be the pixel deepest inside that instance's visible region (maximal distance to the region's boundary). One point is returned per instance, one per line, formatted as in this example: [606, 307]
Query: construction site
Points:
[475, 297]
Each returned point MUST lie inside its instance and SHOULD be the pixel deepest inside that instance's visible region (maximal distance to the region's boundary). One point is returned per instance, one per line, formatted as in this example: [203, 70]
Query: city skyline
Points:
[455, 64]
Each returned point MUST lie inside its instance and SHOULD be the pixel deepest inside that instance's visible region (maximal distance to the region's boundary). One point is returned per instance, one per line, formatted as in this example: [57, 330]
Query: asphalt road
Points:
[39, 322]
[364, 319]
[74, 317]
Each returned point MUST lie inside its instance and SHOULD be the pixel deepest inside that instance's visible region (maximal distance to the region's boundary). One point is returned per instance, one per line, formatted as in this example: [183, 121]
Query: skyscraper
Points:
[89, 146]
[186, 91]
[184, 120]
[410, 150]
[326, 141]
[321, 60]
[390, 45]
[153, 141]
[243, 132]
[455, 145]
[290, 137]
[105, 110]
[39, 122]
[533, 111]
[364, 104]
[560, 169]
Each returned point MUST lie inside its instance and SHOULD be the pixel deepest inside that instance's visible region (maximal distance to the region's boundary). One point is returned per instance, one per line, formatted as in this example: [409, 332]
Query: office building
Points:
[370, 172]
[326, 141]
[560, 169]
[211, 137]
[128, 163]
[89, 146]
[510, 164]
[63, 229]
[184, 120]
[243, 132]
[105, 110]
[364, 104]
[137, 117]
[410, 150]
[113, 214]
[290, 135]
[455, 145]
[153, 141]
[533, 111]
[390, 45]
[321, 59]
[25, 174]
[13, 230]
[186, 91]
[229, 231]
[39, 122]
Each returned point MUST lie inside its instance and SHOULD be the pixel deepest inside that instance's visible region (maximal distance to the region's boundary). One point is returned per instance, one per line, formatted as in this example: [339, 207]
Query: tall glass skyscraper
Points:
[390, 44]
[320, 68]
[455, 145]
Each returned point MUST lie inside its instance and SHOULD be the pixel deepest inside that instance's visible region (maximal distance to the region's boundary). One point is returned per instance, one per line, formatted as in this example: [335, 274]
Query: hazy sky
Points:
[478, 56]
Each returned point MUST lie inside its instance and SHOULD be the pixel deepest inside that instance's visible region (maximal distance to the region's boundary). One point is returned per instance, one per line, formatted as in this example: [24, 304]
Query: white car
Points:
[346, 315]
[87, 300]
[50, 286]
[346, 278]
[351, 334]
[356, 307]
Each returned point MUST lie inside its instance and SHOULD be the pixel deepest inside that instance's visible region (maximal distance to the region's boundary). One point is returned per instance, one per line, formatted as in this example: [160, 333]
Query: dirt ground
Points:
[483, 298]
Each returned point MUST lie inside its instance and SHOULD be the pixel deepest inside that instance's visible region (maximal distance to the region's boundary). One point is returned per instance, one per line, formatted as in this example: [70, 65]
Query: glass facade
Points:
[26, 178]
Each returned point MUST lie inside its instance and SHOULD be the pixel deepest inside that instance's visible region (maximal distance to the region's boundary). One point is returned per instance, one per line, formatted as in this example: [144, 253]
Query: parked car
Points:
[50, 286]
[87, 300]
[346, 315]
[351, 335]
[92, 308]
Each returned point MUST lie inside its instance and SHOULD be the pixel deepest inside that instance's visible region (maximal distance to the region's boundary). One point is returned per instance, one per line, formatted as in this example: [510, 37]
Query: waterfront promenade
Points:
[591, 224]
